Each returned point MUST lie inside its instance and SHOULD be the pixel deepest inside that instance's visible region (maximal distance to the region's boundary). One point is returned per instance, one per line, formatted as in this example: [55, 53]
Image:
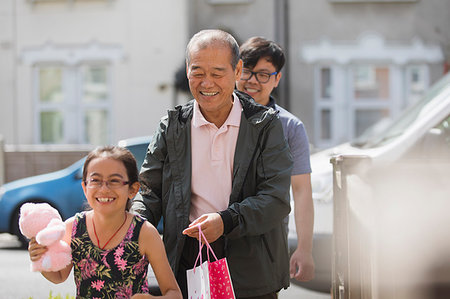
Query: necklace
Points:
[95, 232]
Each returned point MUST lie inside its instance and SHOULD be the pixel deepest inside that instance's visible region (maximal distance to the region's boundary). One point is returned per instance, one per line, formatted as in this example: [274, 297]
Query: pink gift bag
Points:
[209, 279]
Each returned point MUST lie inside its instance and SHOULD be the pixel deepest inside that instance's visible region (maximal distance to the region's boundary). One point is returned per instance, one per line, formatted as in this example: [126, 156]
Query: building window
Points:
[365, 118]
[95, 100]
[51, 102]
[370, 83]
[371, 100]
[325, 83]
[416, 82]
[325, 124]
[73, 104]
[350, 99]
[326, 105]
[358, 84]
[51, 124]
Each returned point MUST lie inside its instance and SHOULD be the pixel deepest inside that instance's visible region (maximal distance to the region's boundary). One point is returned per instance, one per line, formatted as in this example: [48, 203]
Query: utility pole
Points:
[281, 11]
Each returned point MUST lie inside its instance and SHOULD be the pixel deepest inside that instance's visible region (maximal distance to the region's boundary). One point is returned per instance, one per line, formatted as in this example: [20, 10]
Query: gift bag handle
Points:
[200, 246]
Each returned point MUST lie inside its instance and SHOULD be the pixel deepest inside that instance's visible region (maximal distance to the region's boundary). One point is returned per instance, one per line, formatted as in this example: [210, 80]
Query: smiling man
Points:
[220, 161]
[263, 61]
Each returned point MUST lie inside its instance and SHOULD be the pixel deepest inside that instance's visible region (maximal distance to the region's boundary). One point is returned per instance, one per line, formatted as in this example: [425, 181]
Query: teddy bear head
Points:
[36, 216]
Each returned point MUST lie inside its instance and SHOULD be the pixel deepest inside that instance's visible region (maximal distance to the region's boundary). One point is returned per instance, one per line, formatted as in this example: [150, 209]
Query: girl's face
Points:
[106, 187]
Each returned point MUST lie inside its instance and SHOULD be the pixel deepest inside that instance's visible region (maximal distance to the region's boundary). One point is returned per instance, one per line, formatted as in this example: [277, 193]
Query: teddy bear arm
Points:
[50, 235]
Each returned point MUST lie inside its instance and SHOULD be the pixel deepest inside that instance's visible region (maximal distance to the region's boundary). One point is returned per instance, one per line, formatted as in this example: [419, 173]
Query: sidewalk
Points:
[17, 282]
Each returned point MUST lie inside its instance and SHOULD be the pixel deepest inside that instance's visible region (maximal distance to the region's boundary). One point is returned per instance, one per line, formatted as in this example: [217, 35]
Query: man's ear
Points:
[238, 70]
[278, 78]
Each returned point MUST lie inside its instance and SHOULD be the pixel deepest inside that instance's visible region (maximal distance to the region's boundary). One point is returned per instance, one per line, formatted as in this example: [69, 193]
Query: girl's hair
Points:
[117, 153]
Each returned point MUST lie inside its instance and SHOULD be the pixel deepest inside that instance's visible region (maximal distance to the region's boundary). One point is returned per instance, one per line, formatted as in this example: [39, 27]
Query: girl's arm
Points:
[151, 245]
[36, 251]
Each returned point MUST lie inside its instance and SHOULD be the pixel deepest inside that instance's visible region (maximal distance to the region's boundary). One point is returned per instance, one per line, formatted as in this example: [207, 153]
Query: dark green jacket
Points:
[256, 244]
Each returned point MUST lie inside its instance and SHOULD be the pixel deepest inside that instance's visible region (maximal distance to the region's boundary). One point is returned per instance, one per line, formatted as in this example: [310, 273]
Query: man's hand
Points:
[211, 225]
[302, 266]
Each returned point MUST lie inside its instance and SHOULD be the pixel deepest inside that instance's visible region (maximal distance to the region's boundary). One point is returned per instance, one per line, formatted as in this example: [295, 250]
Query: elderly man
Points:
[220, 161]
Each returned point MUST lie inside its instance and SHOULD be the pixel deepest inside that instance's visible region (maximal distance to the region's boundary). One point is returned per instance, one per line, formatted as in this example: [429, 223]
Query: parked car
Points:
[420, 133]
[61, 189]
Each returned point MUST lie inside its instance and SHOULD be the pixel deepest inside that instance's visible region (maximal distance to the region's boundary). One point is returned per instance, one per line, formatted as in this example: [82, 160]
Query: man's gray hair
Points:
[205, 38]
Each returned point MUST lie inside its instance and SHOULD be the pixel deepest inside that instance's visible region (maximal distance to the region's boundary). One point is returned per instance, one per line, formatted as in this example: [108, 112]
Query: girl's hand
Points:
[36, 250]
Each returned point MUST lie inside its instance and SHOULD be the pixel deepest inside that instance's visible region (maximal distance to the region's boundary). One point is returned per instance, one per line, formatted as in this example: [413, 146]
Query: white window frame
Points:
[106, 105]
[336, 104]
[70, 58]
[409, 97]
[391, 103]
[72, 108]
[370, 48]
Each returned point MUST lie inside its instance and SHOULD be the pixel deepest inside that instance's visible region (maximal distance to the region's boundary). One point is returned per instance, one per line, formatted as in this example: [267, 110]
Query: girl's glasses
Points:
[111, 183]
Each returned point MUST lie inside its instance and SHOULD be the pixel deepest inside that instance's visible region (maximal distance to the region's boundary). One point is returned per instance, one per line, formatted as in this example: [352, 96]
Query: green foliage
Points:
[50, 296]
[59, 296]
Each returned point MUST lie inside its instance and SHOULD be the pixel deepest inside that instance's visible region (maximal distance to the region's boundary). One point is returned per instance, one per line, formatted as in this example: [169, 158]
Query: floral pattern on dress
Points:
[119, 272]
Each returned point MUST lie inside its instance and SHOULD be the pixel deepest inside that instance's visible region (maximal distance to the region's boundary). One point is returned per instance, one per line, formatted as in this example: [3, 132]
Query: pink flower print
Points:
[129, 234]
[87, 268]
[120, 263]
[124, 292]
[98, 285]
[77, 286]
[119, 252]
[104, 261]
[144, 288]
[74, 227]
[139, 267]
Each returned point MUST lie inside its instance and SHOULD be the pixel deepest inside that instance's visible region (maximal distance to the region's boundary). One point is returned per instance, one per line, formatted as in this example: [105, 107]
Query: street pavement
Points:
[18, 282]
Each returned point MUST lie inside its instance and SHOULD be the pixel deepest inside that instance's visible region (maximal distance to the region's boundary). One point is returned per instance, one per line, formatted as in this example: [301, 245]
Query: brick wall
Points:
[21, 162]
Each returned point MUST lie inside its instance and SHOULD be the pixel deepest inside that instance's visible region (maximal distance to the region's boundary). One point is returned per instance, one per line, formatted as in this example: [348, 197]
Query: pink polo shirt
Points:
[212, 161]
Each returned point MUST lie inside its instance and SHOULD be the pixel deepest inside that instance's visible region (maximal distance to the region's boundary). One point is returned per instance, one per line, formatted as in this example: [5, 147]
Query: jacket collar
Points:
[272, 103]
[252, 111]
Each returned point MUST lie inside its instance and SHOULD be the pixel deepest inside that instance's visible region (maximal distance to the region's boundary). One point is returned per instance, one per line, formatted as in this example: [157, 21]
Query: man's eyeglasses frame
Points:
[257, 74]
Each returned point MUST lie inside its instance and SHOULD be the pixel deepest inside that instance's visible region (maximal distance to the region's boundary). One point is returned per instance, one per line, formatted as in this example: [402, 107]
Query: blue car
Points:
[61, 189]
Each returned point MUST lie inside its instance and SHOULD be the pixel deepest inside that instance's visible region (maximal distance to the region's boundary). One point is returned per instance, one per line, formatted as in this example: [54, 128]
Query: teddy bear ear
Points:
[25, 208]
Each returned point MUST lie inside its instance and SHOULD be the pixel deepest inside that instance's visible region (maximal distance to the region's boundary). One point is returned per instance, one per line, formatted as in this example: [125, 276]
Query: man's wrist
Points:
[227, 221]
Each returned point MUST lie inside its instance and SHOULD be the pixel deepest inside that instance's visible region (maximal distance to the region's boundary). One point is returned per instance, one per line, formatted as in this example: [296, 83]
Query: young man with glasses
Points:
[263, 61]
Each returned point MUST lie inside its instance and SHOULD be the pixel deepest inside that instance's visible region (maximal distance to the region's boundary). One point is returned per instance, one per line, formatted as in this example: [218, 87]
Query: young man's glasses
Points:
[261, 77]
[111, 183]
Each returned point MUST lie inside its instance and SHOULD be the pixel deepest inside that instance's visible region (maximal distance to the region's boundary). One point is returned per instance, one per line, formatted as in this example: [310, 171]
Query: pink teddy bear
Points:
[42, 221]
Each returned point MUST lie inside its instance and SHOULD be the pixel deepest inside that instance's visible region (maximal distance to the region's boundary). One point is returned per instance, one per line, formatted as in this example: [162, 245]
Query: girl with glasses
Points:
[111, 248]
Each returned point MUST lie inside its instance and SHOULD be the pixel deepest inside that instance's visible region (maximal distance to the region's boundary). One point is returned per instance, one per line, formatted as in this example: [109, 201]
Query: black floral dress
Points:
[118, 273]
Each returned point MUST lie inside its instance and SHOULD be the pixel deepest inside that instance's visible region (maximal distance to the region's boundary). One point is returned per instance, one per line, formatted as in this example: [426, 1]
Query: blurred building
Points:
[96, 71]
[87, 71]
[350, 62]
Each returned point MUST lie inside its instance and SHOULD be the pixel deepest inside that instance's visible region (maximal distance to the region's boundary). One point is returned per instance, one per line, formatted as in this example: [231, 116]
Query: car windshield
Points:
[385, 131]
